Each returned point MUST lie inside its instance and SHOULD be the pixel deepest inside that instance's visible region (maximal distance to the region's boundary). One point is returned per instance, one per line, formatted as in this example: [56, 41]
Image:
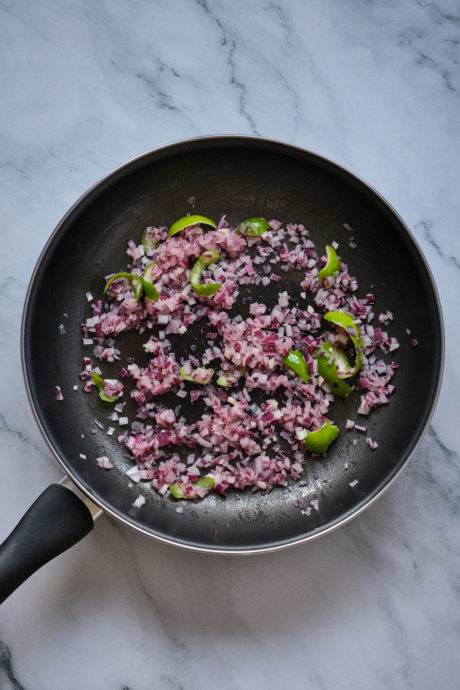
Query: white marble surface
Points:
[376, 86]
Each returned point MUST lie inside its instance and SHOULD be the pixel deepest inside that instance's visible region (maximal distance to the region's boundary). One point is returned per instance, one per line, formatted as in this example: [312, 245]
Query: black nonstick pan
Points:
[241, 177]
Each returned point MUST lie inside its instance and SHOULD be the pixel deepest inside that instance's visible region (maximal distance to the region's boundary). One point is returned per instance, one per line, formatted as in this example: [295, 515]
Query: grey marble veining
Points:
[375, 86]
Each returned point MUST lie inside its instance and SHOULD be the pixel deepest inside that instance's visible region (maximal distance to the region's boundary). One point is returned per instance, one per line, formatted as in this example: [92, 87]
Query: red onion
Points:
[233, 435]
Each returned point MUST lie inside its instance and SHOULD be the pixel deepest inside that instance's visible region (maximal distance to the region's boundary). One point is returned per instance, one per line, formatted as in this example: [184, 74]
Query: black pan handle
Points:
[54, 523]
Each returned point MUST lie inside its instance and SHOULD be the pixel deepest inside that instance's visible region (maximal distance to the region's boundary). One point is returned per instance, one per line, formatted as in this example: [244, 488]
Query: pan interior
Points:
[239, 177]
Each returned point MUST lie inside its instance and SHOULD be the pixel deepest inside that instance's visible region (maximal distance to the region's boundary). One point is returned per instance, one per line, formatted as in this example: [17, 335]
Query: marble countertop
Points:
[374, 86]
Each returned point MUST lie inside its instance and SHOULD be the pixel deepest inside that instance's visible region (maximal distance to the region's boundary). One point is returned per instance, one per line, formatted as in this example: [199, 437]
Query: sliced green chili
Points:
[149, 241]
[186, 374]
[328, 358]
[150, 290]
[346, 321]
[230, 378]
[253, 227]
[134, 281]
[202, 483]
[138, 285]
[319, 441]
[332, 265]
[296, 361]
[205, 260]
[187, 221]
[149, 272]
[177, 491]
[99, 382]
[147, 282]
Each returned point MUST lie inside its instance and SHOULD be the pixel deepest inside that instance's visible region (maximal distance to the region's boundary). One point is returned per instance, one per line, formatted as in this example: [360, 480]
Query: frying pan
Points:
[241, 177]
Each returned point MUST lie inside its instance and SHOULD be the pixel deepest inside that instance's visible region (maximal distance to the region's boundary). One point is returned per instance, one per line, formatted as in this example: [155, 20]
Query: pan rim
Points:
[188, 546]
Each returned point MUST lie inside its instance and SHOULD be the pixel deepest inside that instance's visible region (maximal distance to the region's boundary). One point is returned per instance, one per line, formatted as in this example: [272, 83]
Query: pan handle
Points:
[54, 523]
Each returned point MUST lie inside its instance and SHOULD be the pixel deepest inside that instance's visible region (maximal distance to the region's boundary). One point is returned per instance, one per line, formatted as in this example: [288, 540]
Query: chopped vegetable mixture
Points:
[259, 376]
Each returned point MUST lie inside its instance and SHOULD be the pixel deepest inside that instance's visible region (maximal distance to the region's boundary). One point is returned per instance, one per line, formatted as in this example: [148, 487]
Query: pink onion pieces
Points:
[239, 442]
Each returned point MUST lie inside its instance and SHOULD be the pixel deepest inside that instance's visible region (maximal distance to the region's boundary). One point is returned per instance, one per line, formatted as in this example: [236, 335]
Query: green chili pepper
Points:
[332, 264]
[134, 281]
[147, 282]
[205, 260]
[319, 441]
[342, 364]
[99, 382]
[296, 361]
[177, 491]
[150, 290]
[149, 241]
[138, 285]
[187, 221]
[328, 358]
[253, 227]
[203, 483]
[346, 321]
[186, 374]
[150, 271]
[230, 378]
